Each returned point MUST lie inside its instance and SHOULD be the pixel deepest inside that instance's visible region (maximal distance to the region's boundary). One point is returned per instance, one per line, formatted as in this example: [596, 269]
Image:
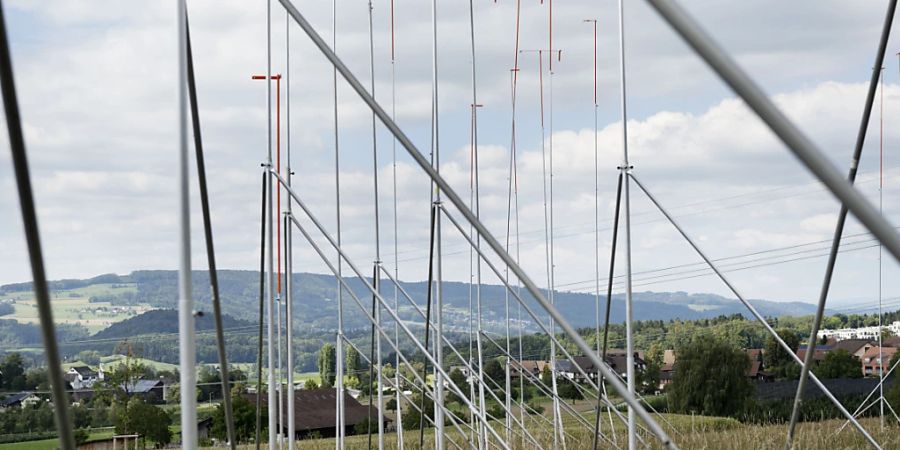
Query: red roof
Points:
[314, 409]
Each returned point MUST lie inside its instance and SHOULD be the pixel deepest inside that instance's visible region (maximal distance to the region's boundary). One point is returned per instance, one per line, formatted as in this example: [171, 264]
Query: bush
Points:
[496, 411]
[81, 436]
[534, 408]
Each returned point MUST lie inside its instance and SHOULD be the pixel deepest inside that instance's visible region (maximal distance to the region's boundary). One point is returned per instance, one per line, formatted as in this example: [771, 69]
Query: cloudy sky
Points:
[97, 88]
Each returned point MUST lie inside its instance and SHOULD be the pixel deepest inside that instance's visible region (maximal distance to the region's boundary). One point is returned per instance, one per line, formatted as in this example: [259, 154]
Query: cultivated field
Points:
[73, 306]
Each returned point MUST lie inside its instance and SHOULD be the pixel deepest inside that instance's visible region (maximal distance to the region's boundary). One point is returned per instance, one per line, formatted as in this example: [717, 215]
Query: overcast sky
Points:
[97, 90]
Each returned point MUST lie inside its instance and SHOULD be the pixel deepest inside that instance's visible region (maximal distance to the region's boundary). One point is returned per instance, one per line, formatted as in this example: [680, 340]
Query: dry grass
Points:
[689, 433]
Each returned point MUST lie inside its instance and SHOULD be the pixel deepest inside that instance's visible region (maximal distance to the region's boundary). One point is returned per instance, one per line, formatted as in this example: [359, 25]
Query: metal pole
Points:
[339, 364]
[270, 219]
[548, 254]
[399, 425]
[186, 351]
[377, 279]
[428, 301]
[457, 202]
[262, 269]
[752, 309]
[593, 22]
[439, 303]
[612, 267]
[629, 307]
[477, 206]
[807, 152]
[880, 254]
[842, 218]
[33, 238]
[210, 248]
[289, 253]
[290, 334]
[278, 299]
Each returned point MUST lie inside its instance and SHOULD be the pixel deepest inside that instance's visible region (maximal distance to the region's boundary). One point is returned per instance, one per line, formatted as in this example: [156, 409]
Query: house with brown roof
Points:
[877, 360]
[818, 356]
[618, 362]
[534, 367]
[891, 341]
[314, 412]
[856, 347]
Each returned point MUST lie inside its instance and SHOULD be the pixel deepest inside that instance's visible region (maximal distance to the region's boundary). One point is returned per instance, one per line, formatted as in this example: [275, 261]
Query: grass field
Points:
[247, 368]
[73, 306]
[686, 431]
[51, 444]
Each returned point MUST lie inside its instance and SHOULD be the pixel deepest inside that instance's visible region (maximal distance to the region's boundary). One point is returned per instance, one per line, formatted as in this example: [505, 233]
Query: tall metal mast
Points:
[477, 208]
[339, 342]
[439, 304]
[399, 394]
[186, 344]
[376, 362]
[289, 254]
[270, 218]
[626, 168]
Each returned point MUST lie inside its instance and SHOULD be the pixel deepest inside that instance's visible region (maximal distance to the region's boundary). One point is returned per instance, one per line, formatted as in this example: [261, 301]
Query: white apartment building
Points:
[859, 333]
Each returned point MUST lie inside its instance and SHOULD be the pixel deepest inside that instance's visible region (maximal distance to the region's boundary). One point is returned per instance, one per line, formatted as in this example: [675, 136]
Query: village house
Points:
[314, 412]
[20, 400]
[83, 377]
[533, 367]
[818, 355]
[856, 347]
[877, 360]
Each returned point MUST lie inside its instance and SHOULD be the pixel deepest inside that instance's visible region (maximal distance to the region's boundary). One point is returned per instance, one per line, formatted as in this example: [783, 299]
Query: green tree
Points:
[326, 363]
[36, 379]
[412, 417]
[244, 414]
[547, 375]
[893, 394]
[81, 436]
[457, 377]
[648, 379]
[494, 370]
[776, 358]
[119, 381]
[351, 360]
[148, 421]
[895, 361]
[12, 371]
[568, 390]
[388, 371]
[310, 384]
[710, 378]
[839, 364]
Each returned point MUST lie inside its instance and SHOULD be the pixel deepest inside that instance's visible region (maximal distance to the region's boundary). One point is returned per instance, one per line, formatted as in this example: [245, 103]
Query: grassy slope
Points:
[73, 306]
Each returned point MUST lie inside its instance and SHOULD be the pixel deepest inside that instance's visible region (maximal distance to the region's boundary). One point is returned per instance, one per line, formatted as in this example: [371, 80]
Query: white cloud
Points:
[97, 91]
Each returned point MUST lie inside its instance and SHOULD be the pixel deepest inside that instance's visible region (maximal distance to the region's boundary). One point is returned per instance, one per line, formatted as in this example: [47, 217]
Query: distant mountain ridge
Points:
[316, 310]
[164, 321]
